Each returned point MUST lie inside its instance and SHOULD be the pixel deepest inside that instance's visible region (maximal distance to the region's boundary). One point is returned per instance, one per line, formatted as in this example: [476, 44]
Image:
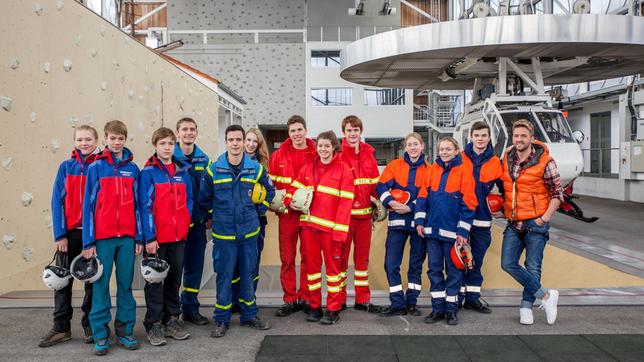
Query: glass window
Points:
[325, 58]
[510, 117]
[331, 96]
[384, 97]
[600, 145]
[556, 127]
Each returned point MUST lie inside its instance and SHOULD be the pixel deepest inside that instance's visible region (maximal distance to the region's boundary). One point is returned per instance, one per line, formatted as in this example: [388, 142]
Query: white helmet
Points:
[277, 204]
[86, 270]
[302, 199]
[153, 269]
[57, 276]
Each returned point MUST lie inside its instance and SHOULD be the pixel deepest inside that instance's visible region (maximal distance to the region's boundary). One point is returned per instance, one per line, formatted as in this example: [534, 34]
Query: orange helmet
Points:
[494, 203]
[401, 196]
[462, 257]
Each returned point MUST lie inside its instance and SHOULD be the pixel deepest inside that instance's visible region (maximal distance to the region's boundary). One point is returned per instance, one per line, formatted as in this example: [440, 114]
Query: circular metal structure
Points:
[450, 55]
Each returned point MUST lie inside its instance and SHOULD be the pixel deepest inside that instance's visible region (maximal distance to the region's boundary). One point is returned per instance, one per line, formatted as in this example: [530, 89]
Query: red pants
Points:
[360, 234]
[289, 230]
[318, 243]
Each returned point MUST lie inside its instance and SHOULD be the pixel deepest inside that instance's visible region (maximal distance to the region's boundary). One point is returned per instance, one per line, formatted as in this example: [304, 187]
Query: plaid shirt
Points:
[550, 175]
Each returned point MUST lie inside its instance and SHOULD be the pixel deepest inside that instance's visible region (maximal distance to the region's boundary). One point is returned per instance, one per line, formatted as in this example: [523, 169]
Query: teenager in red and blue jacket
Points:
[110, 227]
[187, 151]
[487, 171]
[403, 176]
[165, 204]
[67, 213]
[444, 214]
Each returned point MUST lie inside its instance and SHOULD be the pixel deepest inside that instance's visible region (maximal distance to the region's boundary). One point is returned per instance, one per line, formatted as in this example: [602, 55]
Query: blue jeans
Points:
[533, 239]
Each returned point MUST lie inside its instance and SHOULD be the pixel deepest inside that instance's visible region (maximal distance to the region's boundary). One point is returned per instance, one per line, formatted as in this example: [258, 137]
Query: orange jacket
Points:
[526, 197]
[487, 171]
[365, 171]
[333, 195]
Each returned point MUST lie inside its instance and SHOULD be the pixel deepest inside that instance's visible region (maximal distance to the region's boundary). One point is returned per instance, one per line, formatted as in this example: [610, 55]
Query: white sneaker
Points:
[526, 316]
[550, 306]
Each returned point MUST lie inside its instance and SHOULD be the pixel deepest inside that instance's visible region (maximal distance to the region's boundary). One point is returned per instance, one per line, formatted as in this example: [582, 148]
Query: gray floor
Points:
[20, 330]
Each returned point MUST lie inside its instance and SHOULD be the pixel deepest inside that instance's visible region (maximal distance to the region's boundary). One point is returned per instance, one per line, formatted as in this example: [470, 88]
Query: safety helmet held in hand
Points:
[86, 270]
[258, 195]
[379, 210]
[401, 196]
[302, 199]
[57, 276]
[154, 269]
[462, 256]
[494, 203]
[277, 204]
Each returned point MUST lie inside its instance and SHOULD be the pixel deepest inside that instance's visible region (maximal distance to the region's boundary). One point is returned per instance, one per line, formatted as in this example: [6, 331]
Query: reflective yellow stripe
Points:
[223, 180]
[191, 290]
[366, 211]
[247, 303]
[266, 203]
[333, 289]
[315, 286]
[246, 179]
[198, 168]
[259, 174]
[314, 276]
[341, 227]
[272, 177]
[282, 179]
[343, 284]
[317, 220]
[210, 211]
[343, 274]
[209, 170]
[328, 190]
[236, 280]
[361, 273]
[347, 194]
[223, 237]
[225, 307]
[256, 278]
[288, 195]
[250, 235]
[192, 224]
[361, 283]
[365, 181]
[333, 278]
[297, 184]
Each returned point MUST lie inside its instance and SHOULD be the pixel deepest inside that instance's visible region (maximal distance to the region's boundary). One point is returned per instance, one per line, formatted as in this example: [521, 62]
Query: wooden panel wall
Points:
[410, 17]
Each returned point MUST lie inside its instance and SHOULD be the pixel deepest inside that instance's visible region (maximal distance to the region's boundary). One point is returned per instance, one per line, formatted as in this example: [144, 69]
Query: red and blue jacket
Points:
[404, 175]
[487, 171]
[446, 200]
[67, 196]
[109, 205]
[165, 201]
[199, 161]
[235, 217]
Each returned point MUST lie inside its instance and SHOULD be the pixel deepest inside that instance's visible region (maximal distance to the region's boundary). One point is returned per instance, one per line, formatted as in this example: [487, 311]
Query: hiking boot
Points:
[413, 310]
[128, 342]
[236, 308]
[550, 306]
[451, 318]
[89, 336]
[330, 317]
[220, 330]
[156, 335]
[174, 329]
[393, 312]
[477, 306]
[288, 309]
[196, 318]
[315, 315]
[256, 323]
[434, 317]
[304, 306]
[53, 337]
[101, 347]
[367, 307]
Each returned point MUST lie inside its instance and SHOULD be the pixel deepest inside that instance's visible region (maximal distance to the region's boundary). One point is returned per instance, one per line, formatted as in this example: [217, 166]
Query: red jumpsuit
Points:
[325, 227]
[285, 162]
[365, 171]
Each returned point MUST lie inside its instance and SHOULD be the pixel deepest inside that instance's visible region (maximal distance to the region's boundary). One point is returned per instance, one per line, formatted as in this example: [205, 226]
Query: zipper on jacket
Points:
[118, 201]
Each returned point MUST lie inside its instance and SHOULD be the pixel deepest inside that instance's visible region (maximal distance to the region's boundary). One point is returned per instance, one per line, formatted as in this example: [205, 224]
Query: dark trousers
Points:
[162, 299]
[194, 255]
[63, 310]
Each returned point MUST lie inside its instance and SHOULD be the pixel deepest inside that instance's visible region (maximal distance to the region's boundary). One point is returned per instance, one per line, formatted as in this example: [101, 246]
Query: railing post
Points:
[204, 37]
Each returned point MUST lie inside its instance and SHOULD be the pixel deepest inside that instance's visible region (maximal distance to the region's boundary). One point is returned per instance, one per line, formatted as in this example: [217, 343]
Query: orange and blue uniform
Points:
[445, 207]
[403, 174]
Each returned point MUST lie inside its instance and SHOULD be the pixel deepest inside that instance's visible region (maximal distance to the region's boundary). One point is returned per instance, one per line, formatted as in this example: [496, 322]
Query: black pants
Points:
[162, 299]
[63, 310]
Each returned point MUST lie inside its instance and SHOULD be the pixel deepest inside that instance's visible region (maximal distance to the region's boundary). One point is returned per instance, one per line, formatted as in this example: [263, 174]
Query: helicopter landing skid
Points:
[570, 208]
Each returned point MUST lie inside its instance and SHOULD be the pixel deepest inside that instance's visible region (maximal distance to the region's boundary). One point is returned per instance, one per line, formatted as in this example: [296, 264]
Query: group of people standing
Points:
[105, 208]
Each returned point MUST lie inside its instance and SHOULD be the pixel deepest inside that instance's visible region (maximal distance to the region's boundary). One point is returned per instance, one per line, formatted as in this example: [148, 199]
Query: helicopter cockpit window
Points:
[510, 117]
[556, 127]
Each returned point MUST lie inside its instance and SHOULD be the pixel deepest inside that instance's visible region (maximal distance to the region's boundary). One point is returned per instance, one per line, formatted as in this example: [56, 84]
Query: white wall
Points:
[379, 121]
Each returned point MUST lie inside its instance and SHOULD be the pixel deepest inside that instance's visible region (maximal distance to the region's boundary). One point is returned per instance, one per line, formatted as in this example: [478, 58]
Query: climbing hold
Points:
[39, 9]
[67, 65]
[77, 40]
[103, 29]
[103, 85]
[5, 103]
[33, 116]
[73, 121]
[59, 5]
[9, 240]
[26, 199]
[55, 145]
[46, 67]
[27, 253]
[93, 53]
[14, 63]
[130, 93]
[7, 162]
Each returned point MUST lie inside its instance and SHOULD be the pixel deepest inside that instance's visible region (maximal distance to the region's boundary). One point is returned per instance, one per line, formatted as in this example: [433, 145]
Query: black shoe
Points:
[367, 307]
[451, 318]
[434, 317]
[330, 317]
[220, 330]
[256, 323]
[344, 306]
[413, 310]
[304, 306]
[477, 306]
[196, 318]
[315, 315]
[53, 337]
[89, 336]
[236, 308]
[288, 309]
[393, 312]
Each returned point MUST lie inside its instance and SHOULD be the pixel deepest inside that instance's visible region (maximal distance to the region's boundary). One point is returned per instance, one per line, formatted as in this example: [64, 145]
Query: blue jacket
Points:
[199, 162]
[487, 171]
[110, 208]
[446, 201]
[401, 174]
[234, 216]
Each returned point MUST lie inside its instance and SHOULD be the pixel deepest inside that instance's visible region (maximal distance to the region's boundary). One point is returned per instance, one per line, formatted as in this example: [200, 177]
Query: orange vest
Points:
[526, 197]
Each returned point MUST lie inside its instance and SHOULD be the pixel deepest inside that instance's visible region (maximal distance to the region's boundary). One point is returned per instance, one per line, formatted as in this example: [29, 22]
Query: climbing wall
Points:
[62, 66]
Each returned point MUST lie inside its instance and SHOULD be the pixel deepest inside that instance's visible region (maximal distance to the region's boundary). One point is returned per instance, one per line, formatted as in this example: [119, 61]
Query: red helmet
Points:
[462, 257]
[494, 203]
[401, 196]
